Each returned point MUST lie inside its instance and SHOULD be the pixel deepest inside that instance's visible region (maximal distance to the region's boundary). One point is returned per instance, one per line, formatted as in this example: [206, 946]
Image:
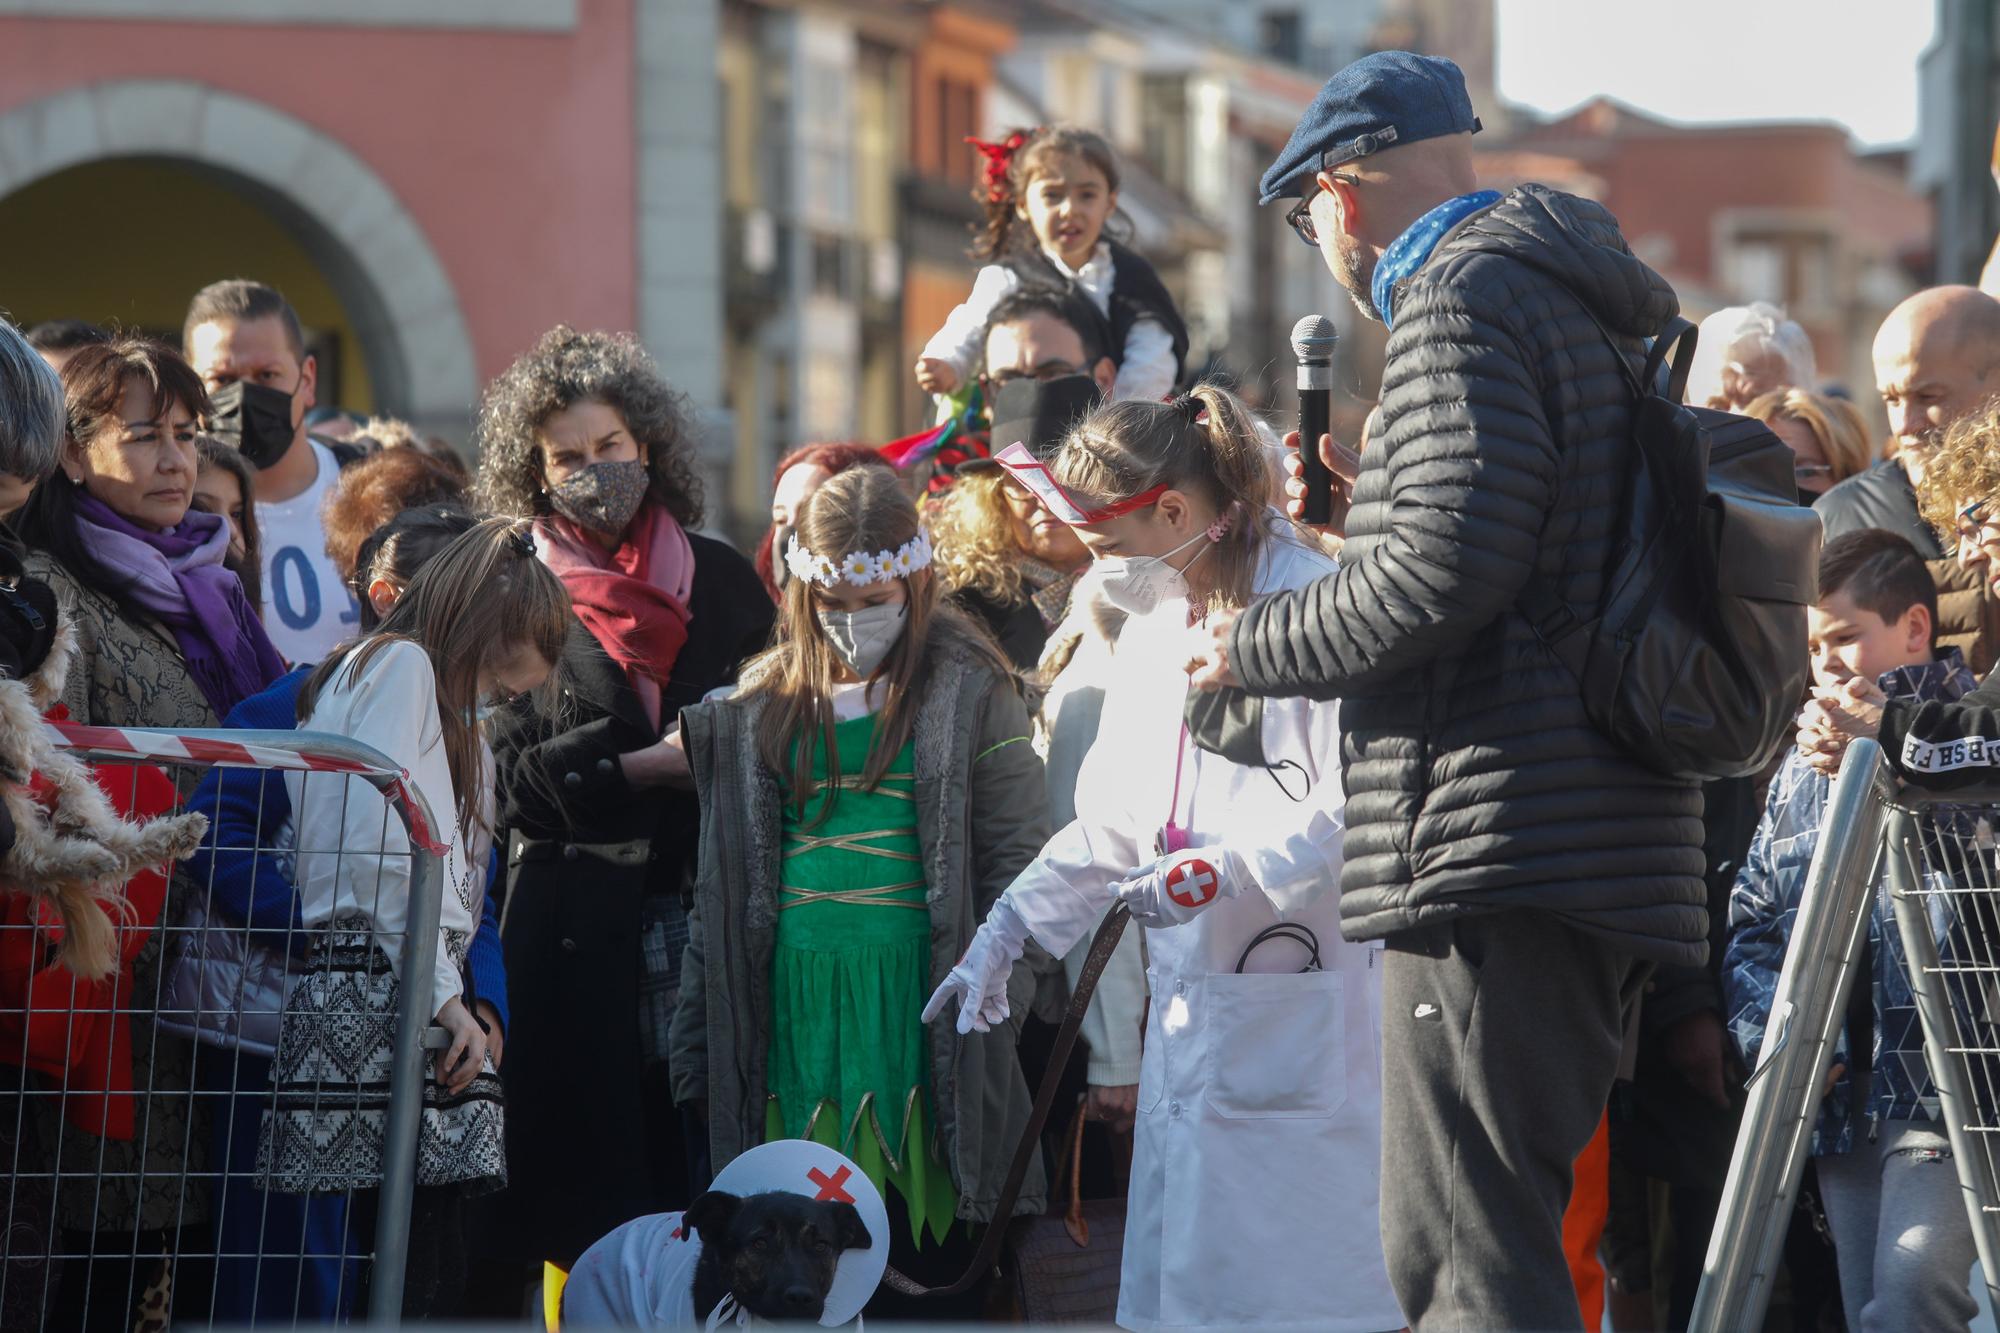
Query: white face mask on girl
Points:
[863, 638]
[1138, 584]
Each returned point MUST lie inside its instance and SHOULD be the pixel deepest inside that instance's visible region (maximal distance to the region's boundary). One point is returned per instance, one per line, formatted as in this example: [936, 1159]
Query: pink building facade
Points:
[457, 175]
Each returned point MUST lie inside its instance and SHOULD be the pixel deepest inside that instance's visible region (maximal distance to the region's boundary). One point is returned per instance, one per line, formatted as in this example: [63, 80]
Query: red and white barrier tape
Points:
[164, 745]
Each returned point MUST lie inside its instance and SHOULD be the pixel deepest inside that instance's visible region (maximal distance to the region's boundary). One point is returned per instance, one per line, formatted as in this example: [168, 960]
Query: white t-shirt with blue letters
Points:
[307, 609]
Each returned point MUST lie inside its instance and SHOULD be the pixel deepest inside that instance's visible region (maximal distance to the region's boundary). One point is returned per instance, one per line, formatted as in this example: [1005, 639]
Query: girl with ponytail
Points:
[1259, 1110]
[1049, 196]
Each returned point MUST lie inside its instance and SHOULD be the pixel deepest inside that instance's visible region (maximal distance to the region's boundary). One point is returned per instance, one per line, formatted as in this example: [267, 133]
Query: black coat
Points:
[591, 1136]
[1475, 782]
[1016, 626]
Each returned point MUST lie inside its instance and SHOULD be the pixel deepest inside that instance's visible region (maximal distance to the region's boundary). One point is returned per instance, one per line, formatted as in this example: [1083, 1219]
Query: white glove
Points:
[1181, 885]
[979, 982]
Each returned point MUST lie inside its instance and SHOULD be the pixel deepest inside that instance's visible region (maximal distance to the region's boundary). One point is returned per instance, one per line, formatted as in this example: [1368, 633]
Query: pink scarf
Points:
[634, 599]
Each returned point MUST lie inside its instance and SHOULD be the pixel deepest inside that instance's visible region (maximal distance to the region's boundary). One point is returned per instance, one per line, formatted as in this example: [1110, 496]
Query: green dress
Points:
[850, 1062]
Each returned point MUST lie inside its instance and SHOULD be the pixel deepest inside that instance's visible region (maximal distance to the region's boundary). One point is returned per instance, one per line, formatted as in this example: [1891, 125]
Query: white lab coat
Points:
[1256, 1175]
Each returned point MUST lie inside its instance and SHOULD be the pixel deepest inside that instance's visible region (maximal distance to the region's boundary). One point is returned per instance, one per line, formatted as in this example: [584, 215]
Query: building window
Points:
[830, 277]
[1283, 36]
[957, 117]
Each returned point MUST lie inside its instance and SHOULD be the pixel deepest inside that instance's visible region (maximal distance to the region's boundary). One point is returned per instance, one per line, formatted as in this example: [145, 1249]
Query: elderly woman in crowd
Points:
[1004, 559]
[1746, 351]
[1828, 438]
[165, 638]
[583, 435]
[799, 474]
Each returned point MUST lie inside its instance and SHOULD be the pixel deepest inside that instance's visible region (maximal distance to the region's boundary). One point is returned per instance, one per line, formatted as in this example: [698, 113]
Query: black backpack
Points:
[1695, 662]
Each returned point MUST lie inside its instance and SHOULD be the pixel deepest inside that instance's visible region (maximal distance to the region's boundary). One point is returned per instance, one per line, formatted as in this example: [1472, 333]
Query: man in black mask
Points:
[243, 339]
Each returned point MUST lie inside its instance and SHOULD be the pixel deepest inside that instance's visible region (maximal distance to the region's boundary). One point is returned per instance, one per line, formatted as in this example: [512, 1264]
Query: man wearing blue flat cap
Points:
[1525, 874]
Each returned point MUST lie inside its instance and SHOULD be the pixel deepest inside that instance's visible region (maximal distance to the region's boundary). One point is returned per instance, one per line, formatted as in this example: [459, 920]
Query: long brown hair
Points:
[862, 509]
[1002, 194]
[1205, 442]
[482, 597]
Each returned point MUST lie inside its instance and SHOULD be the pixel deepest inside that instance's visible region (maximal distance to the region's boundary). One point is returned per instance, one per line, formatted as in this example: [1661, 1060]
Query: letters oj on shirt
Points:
[307, 609]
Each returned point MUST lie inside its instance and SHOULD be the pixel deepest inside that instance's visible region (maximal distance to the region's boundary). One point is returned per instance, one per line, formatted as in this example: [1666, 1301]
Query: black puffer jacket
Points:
[1474, 780]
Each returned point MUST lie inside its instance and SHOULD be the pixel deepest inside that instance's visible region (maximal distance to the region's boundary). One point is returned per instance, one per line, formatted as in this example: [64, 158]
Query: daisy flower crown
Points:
[859, 568]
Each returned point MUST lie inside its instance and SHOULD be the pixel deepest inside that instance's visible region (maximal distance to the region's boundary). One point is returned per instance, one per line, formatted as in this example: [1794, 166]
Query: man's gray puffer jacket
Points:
[1474, 780]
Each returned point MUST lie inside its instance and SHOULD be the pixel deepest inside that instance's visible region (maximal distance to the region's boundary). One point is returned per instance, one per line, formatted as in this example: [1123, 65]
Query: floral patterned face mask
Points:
[602, 497]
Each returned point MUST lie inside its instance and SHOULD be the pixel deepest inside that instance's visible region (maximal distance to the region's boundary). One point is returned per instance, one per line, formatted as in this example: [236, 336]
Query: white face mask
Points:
[863, 638]
[1138, 584]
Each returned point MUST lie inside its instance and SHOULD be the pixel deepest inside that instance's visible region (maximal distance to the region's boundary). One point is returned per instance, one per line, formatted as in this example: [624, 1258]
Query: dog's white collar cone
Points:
[801, 1166]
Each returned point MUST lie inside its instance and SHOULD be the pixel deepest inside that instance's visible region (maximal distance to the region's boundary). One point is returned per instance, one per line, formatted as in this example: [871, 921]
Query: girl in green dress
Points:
[867, 792]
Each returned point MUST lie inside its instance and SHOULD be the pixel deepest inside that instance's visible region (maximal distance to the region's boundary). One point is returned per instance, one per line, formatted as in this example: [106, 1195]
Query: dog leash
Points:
[1102, 945]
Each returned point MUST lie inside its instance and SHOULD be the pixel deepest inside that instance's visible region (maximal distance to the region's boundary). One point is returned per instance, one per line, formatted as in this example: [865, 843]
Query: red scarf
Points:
[634, 599]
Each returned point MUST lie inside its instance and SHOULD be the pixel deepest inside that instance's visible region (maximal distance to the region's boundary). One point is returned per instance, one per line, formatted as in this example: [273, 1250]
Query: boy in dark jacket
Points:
[1892, 1196]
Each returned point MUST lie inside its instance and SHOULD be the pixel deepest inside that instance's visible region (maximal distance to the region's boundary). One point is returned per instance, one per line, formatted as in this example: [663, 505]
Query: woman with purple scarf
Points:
[165, 638]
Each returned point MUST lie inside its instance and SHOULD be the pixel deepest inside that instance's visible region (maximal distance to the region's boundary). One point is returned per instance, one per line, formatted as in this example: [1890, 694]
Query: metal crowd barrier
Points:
[132, 1114]
[1934, 855]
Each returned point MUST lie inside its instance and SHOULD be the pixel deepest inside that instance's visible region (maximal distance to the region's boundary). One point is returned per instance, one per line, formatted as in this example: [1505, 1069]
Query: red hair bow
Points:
[999, 156]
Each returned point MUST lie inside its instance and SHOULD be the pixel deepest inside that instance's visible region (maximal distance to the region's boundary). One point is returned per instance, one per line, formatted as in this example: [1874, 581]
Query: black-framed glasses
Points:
[1300, 216]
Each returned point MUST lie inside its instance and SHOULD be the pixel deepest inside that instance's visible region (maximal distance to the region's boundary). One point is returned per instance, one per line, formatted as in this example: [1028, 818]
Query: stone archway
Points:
[405, 311]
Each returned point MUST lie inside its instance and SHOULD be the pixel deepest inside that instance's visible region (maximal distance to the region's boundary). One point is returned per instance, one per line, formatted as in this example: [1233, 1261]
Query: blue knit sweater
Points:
[246, 808]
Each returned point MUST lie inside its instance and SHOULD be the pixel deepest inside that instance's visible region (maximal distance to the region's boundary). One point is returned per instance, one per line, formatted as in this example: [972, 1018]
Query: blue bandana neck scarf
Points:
[1409, 251]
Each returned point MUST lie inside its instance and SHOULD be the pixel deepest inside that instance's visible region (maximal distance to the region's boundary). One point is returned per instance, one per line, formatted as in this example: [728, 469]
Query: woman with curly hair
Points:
[1005, 560]
[584, 436]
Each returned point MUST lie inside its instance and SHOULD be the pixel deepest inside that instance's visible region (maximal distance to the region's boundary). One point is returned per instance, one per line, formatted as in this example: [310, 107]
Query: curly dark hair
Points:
[565, 368]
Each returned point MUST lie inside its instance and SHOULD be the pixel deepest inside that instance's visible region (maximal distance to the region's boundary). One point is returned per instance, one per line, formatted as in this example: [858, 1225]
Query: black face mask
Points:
[253, 419]
[1230, 723]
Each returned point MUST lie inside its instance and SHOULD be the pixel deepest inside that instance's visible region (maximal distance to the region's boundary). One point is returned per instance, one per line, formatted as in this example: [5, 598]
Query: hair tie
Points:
[999, 159]
[520, 542]
[1191, 409]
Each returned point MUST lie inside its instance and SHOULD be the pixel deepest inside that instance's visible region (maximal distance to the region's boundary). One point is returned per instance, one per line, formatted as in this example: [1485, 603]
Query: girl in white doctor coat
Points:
[1255, 1181]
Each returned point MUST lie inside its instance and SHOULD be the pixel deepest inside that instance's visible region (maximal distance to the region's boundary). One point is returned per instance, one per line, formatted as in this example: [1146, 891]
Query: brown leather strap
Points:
[1102, 945]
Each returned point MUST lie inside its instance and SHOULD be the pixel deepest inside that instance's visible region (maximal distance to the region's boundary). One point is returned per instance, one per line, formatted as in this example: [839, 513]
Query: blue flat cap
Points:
[1380, 101]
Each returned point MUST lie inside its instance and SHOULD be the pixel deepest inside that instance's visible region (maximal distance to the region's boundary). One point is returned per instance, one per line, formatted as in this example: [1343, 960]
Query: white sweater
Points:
[353, 853]
[1147, 368]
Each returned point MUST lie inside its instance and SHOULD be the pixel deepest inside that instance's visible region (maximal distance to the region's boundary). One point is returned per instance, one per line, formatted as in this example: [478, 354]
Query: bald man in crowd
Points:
[1937, 357]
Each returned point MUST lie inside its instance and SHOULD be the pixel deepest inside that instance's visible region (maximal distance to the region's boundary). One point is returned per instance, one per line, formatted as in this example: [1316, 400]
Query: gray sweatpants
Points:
[1900, 1233]
[1500, 1040]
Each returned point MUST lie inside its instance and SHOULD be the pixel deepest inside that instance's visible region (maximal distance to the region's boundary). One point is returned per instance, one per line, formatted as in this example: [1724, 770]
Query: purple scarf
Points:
[177, 576]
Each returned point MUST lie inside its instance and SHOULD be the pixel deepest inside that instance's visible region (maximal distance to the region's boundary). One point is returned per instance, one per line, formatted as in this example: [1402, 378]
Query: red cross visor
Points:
[1030, 471]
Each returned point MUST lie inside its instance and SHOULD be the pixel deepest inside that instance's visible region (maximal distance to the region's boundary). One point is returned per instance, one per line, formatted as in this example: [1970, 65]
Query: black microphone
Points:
[1313, 340]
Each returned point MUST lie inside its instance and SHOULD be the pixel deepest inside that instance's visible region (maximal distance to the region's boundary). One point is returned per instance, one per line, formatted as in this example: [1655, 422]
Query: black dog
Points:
[775, 1253]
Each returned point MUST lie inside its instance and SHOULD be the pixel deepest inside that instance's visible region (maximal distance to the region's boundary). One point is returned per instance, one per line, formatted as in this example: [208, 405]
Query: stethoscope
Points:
[1295, 931]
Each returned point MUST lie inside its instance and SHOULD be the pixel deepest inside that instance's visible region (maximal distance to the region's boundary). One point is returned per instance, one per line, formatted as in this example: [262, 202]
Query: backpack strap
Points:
[1548, 615]
[1679, 337]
